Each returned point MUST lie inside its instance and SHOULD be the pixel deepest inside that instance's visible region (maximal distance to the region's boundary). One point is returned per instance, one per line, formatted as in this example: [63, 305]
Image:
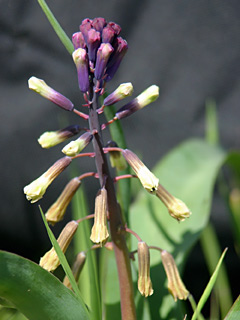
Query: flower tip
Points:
[179, 210]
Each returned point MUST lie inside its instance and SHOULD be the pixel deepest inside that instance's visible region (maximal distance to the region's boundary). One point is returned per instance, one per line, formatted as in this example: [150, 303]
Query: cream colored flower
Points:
[147, 178]
[36, 189]
[99, 233]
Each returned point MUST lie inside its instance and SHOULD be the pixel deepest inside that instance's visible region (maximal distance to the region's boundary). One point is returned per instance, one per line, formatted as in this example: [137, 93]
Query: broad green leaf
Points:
[189, 173]
[234, 312]
[35, 292]
[209, 287]
[88, 281]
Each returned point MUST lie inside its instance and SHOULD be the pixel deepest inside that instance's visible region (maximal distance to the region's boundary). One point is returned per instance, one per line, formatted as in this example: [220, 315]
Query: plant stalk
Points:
[115, 221]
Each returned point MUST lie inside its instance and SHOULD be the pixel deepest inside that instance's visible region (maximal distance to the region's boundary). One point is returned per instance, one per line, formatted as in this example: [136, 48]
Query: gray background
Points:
[190, 49]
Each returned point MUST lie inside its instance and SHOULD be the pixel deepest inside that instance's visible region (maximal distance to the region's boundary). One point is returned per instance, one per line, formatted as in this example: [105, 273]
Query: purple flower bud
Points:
[80, 59]
[47, 92]
[108, 34]
[93, 43]
[120, 48]
[98, 24]
[78, 40]
[115, 27]
[85, 26]
[103, 55]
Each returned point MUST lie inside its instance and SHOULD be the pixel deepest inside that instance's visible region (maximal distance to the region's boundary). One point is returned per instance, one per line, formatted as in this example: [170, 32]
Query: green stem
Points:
[56, 26]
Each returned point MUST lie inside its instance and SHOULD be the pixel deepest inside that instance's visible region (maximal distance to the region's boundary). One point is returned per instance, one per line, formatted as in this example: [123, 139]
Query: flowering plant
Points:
[97, 50]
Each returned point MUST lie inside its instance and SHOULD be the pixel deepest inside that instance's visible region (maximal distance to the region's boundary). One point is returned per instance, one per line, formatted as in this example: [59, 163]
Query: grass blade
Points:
[63, 261]
[209, 287]
[56, 26]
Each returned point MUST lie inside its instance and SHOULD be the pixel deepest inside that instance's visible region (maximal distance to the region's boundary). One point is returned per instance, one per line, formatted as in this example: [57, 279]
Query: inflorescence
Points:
[98, 52]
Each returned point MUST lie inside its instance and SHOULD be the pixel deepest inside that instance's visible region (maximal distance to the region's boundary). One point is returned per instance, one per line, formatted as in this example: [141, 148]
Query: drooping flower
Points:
[36, 189]
[57, 210]
[76, 269]
[144, 281]
[175, 285]
[116, 158]
[146, 177]
[50, 260]
[176, 207]
[99, 233]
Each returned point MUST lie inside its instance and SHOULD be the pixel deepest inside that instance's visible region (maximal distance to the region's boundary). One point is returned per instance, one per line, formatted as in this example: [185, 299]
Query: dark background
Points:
[190, 49]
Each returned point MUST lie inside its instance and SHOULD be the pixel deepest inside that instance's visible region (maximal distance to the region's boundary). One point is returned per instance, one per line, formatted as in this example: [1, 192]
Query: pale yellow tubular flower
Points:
[146, 177]
[175, 285]
[76, 146]
[50, 260]
[36, 189]
[176, 208]
[144, 281]
[57, 210]
[99, 233]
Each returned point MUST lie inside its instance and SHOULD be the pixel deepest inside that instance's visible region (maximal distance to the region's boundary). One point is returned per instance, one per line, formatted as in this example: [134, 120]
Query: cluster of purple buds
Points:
[98, 52]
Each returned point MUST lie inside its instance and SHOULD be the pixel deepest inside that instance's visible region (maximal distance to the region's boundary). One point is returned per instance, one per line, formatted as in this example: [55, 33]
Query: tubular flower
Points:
[52, 138]
[56, 212]
[123, 91]
[146, 97]
[47, 92]
[50, 260]
[176, 208]
[76, 269]
[116, 158]
[175, 284]
[35, 190]
[144, 281]
[146, 177]
[76, 146]
[99, 233]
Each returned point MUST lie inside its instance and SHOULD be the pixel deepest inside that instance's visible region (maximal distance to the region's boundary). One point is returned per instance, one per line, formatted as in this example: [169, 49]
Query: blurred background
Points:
[190, 49]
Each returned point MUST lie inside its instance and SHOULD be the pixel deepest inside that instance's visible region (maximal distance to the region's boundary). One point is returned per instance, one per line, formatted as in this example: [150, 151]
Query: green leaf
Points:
[189, 173]
[64, 262]
[209, 287]
[234, 313]
[35, 292]
[56, 26]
